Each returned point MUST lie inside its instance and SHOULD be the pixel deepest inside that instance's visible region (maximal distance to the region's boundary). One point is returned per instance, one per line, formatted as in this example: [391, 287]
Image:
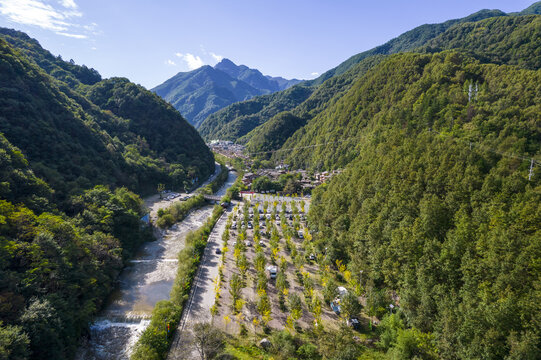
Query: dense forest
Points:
[428, 207]
[439, 203]
[240, 118]
[55, 270]
[111, 132]
[72, 146]
[517, 39]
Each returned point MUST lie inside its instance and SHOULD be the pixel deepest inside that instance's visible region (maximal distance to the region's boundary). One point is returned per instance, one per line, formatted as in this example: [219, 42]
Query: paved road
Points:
[154, 202]
[202, 295]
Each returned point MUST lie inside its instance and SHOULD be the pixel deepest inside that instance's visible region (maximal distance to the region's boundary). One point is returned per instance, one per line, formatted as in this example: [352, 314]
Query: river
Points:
[146, 280]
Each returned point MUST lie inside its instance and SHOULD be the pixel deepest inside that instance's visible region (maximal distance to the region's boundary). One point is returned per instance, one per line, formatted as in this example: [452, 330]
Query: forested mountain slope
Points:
[240, 118]
[505, 40]
[134, 139]
[418, 37]
[154, 120]
[70, 144]
[261, 138]
[430, 209]
[515, 40]
[68, 72]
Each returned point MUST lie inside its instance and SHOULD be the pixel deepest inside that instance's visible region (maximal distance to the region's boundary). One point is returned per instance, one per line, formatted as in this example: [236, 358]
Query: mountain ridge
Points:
[201, 92]
[343, 74]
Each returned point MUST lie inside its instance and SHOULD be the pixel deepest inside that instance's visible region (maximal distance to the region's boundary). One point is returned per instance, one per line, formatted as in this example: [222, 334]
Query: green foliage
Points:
[501, 40]
[264, 183]
[158, 123]
[350, 305]
[13, 343]
[453, 230]
[18, 182]
[240, 118]
[130, 138]
[67, 72]
[273, 133]
[63, 239]
[57, 271]
[408, 41]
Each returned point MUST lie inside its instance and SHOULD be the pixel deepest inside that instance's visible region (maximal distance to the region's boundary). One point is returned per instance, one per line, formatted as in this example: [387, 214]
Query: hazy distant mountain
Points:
[201, 92]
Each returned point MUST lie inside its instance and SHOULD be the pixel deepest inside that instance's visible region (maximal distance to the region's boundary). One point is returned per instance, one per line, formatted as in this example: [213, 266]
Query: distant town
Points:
[279, 179]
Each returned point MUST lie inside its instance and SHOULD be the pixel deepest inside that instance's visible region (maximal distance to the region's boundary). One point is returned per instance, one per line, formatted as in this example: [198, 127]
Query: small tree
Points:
[260, 261]
[161, 188]
[208, 340]
[350, 305]
[235, 286]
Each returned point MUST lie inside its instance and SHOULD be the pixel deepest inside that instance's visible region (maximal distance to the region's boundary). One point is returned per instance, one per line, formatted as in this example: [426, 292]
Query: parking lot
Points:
[269, 274]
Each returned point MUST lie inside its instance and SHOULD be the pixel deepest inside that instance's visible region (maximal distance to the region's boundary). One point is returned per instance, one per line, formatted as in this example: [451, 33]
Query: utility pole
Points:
[531, 171]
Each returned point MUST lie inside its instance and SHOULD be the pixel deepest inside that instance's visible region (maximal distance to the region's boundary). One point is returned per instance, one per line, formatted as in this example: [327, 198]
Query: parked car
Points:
[273, 270]
[354, 323]
[218, 251]
[341, 291]
[248, 243]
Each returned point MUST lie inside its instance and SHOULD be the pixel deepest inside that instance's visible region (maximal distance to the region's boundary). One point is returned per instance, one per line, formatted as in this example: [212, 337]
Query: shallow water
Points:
[146, 280]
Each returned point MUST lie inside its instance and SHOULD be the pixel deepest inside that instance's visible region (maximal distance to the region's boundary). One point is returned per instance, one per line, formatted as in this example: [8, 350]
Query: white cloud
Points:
[170, 62]
[75, 36]
[44, 15]
[70, 4]
[314, 74]
[218, 58]
[193, 61]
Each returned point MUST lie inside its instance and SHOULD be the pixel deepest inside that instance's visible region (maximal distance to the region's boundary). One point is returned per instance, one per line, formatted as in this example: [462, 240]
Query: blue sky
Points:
[150, 41]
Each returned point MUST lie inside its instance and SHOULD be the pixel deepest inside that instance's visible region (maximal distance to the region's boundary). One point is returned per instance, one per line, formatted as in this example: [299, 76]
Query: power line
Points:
[532, 160]
[299, 147]
[495, 151]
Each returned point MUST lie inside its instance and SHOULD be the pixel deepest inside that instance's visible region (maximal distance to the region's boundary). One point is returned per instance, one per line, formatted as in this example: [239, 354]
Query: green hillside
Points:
[240, 118]
[439, 217]
[155, 121]
[514, 40]
[68, 72]
[272, 134]
[134, 139]
[262, 138]
[505, 40]
[70, 146]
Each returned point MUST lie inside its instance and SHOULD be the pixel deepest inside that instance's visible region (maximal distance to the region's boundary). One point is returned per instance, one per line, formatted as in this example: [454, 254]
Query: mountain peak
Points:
[225, 62]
